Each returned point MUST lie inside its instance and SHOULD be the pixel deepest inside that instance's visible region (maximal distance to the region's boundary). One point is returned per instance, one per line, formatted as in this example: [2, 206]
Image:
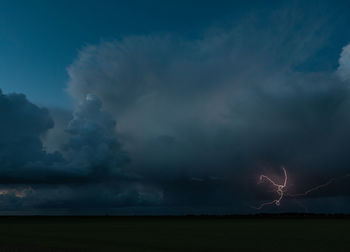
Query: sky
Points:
[174, 107]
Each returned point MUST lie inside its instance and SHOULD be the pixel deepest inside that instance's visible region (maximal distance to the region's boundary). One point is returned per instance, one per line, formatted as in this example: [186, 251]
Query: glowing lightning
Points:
[280, 189]
[332, 180]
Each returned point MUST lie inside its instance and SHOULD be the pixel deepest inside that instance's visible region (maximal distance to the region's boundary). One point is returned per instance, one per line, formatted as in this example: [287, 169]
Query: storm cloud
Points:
[169, 121]
[228, 105]
[22, 126]
[93, 143]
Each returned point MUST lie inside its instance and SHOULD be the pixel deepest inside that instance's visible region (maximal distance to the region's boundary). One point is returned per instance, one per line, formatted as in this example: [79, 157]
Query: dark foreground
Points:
[263, 233]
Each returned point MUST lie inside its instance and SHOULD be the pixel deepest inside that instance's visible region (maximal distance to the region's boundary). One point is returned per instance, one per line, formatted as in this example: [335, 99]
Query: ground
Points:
[100, 234]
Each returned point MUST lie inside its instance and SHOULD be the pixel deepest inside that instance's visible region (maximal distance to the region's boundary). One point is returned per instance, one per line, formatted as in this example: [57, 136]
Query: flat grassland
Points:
[174, 234]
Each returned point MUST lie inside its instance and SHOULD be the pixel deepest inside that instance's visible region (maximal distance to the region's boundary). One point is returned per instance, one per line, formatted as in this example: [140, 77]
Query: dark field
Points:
[174, 234]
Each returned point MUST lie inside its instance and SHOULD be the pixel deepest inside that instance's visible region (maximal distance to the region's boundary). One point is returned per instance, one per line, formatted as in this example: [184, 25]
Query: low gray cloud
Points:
[56, 137]
[21, 128]
[83, 170]
[90, 141]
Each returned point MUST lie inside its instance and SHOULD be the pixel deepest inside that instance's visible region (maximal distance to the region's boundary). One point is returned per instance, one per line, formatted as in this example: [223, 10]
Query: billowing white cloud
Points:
[93, 144]
[231, 93]
[344, 64]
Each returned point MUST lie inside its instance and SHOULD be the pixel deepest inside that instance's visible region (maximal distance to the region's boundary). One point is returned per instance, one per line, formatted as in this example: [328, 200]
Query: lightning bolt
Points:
[315, 188]
[279, 189]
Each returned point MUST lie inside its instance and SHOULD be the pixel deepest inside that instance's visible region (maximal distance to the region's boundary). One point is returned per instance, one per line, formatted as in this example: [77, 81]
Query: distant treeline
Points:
[190, 216]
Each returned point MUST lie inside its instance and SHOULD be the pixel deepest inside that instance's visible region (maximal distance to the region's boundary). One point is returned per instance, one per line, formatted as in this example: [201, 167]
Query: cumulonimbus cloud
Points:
[196, 118]
[220, 105]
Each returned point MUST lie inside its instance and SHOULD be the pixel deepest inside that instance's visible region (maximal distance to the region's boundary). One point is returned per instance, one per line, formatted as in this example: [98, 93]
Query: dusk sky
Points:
[174, 107]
